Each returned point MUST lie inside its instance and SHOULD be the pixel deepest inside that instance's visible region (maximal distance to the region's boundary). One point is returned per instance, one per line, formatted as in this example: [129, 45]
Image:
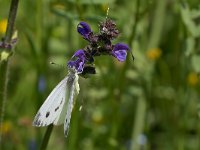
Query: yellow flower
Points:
[3, 25]
[192, 79]
[6, 127]
[154, 53]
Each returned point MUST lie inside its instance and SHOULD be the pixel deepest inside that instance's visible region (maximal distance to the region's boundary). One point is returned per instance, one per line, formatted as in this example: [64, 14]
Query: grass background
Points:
[149, 103]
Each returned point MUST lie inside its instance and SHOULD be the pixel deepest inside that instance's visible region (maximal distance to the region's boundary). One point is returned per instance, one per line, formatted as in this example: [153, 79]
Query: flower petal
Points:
[79, 53]
[120, 51]
[120, 46]
[79, 62]
[84, 29]
[120, 55]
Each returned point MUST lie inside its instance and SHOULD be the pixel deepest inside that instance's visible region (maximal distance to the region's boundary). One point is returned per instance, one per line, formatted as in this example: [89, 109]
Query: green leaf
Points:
[190, 46]
[196, 63]
[188, 16]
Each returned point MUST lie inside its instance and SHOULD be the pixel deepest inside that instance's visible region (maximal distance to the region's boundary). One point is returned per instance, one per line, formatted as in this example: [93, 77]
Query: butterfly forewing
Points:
[51, 109]
[58, 106]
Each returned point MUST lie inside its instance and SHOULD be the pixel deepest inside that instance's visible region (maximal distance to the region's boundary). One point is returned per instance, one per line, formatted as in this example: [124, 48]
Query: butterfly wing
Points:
[51, 109]
[58, 106]
[74, 90]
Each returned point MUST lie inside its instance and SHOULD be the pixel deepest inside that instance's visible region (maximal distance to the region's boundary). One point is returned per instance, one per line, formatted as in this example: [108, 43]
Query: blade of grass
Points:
[138, 125]
[122, 84]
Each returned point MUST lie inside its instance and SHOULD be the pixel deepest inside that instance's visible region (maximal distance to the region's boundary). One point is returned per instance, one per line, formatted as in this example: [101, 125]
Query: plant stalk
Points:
[4, 76]
[46, 138]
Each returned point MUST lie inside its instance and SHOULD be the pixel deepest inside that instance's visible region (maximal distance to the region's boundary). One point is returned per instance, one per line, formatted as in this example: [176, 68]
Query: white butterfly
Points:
[58, 106]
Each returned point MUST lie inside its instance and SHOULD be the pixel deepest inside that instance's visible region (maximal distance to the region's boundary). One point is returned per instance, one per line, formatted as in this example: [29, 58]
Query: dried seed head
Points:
[108, 28]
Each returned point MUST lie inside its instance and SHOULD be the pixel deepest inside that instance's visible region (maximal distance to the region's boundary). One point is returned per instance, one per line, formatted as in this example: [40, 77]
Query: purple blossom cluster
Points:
[99, 44]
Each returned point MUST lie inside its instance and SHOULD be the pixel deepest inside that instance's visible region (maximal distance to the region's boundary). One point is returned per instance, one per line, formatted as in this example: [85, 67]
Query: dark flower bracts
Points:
[99, 44]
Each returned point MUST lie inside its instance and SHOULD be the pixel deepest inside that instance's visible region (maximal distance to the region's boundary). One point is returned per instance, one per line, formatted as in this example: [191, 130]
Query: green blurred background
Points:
[152, 102]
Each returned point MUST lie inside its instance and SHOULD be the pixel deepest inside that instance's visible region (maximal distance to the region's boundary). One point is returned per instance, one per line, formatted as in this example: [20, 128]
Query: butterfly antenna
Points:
[132, 56]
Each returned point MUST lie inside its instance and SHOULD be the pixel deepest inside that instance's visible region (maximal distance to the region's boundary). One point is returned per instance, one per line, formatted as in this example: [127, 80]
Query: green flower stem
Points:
[158, 24]
[136, 23]
[138, 125]
[4, 76]
[117, 119]
[11, 20]
[131, 38]
[4, 67]
[46, 137]
[138, 122]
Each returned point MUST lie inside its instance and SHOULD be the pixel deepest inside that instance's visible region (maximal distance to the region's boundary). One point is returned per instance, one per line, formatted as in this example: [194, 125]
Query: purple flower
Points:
[120, 51]
[84, 29]
[79, 62]
[42, 83]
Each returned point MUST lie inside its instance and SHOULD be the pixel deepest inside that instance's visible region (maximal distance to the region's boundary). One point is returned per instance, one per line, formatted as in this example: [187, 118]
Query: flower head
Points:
[3, 25]
[84, 29]
[192, 79]
[79, 61]
[120, 51]
[109, 29]
[6, 127]
[99, 44]
[154, 53]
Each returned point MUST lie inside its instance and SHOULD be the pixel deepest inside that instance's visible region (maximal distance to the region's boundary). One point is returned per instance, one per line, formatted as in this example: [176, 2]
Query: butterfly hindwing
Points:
[51, 109]
[73, 90]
